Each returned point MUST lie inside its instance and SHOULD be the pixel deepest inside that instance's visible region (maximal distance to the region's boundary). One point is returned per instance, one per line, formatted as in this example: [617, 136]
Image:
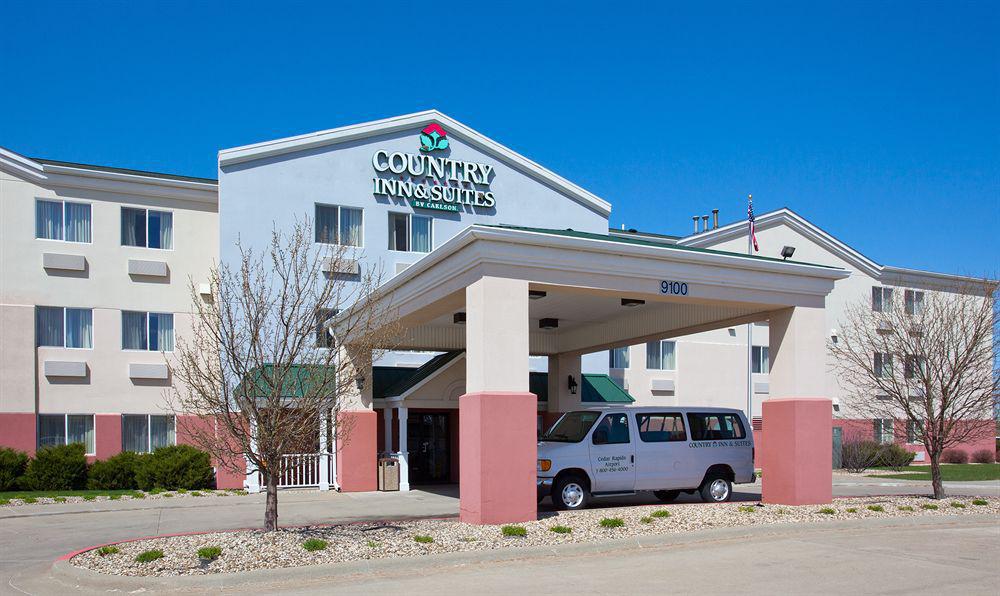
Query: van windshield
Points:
[572, 427]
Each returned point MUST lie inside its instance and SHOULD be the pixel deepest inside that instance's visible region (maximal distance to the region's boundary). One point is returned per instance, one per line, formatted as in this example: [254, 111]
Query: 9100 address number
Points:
[673, 287]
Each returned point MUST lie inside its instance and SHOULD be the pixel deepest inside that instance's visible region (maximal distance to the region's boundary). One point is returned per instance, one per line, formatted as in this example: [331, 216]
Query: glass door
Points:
[428, 441]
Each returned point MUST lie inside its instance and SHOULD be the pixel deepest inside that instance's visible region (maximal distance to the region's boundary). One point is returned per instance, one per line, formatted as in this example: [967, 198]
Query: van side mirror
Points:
[601, 436]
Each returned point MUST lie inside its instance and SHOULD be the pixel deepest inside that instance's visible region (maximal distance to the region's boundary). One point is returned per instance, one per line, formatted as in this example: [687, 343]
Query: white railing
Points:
[300, 470]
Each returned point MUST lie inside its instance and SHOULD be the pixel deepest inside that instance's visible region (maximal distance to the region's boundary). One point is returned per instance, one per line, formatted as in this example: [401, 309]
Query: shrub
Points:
[905, 508]
[12, 466]
[858, 456]
[929, 506]
[108, 550]
[423, 539]
[156, 491]
[138, 495]
[175, 467]
[876, 508]
[59, 499]
[209, 553]
[895, 457]
[4, 501]
[980, 502]
[660, 513]
[954, 456]
[114, 473]
[612, 522]
[114, 497]
[314, 544]
[983, 456]
[195, 493]
[646, 520]
[29, 500]
[372, 544]
[747, 508]
[149, 556]
[562, 529]
[958, 505]
[89, 497]
[827, 511]
[63, 467]
[517, 531]
[851, 510]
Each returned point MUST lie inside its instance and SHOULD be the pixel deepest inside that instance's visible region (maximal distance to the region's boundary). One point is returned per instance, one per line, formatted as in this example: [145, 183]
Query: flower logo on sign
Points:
[433, 138]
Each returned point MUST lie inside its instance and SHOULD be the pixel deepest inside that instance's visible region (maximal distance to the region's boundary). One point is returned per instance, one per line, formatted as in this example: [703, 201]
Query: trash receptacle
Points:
[388, 474]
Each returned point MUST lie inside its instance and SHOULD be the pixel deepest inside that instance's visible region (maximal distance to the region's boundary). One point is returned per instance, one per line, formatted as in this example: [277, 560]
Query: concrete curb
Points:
[65, 573]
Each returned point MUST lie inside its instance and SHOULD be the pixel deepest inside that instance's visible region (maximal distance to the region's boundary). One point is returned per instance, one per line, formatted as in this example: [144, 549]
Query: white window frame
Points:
[882, 434]
[757, 359]
[660, 346]
[913, 430]
[93, 330]
[611, 357]
[910, 302]
[881, 301]
[361, 243]
[879, 360]
[146, 210]
[63, 202]
[149, 430]
[148, 335]
[93, 423]
[409, 231]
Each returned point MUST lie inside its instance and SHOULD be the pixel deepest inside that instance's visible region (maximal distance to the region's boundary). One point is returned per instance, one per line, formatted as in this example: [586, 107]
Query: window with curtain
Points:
[399, 237]
[147, 228]
[760, 357]
[882, 365]
[326, 224]
[914, 302]
[161, 332]
[421, 234]
[135, 433]
[883, 430]
[66, 429]
[147, 331]
[881, 299]
[351, 227]
[618, 357]
[62, 220]
[661, 355]
[60, 327]
[914, 429]
[134, 331]
[339, 225]
[162, 432]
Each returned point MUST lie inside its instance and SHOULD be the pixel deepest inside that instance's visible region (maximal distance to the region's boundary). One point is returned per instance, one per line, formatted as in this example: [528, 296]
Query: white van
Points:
[620, 451]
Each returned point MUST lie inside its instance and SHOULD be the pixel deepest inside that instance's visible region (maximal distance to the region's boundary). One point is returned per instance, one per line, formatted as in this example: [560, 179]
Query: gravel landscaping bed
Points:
[249, 550]
[122, 497]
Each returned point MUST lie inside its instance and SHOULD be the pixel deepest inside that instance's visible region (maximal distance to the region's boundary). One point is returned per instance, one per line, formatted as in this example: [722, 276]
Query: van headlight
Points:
[544, 465]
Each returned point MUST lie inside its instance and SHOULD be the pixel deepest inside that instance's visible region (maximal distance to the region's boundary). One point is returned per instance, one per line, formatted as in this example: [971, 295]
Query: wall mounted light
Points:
[787, 252]
[632, 302]
[360, 382]
[572, 385]
[548, 323]
[536, 294]
[459, 318]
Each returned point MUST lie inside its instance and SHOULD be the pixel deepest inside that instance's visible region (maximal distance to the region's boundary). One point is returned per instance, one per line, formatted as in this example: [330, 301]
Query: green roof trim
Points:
[295, 384]
[601, 389]
[430, 367]
[384, 377]
[571, 233]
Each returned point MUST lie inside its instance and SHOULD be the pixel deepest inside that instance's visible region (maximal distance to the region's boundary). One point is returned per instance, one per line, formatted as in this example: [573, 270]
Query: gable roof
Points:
[455, 129]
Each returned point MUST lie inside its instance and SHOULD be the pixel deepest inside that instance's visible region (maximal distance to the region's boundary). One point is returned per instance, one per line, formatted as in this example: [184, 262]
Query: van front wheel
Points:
[716, 489]
[570, 493]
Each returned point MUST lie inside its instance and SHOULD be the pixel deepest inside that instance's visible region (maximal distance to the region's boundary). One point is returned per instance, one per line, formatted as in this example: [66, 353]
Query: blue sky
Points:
[878, 121]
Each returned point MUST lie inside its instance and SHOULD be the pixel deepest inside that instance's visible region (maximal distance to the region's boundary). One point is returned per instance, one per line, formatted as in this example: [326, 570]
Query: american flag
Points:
[753, 228]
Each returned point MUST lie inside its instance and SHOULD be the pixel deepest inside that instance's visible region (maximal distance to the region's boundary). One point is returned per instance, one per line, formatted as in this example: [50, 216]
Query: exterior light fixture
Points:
[632, 302]
[459, 318]
[572, 385]
[548, 323]
[787, 252]
[536, 294]
[360, 382]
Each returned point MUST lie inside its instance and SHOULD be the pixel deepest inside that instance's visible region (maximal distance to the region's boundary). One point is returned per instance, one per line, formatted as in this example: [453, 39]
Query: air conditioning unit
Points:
[341, 266]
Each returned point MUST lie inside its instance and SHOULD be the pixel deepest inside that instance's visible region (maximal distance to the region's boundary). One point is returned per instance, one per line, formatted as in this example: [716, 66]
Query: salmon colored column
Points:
[797, 451]
[17, 431]
[498, 444]
[357, 454]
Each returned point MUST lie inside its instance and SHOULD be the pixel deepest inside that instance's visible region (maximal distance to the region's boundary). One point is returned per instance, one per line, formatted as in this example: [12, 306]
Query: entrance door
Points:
[428, 437]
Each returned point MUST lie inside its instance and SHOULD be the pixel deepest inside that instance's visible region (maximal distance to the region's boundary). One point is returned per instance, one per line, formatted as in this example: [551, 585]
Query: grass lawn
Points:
[949, 472]
[20, 494]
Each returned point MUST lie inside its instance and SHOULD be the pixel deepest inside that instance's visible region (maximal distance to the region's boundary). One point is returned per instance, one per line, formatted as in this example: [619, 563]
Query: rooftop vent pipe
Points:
[704, 221]
[715, 219]
[695, 218]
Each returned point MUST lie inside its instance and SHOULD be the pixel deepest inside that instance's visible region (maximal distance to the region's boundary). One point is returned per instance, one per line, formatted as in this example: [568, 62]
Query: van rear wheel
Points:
[570, 493]
[716, 489]
[667, 496]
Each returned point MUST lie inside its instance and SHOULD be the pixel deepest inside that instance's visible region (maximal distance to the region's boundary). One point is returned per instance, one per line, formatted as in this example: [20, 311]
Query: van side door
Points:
[662, 458]
[612, 458]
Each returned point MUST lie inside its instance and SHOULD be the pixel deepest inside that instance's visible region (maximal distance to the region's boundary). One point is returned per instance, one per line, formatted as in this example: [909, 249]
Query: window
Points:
[410, 233]
[715, 427]
[914, 302]
[660, 428]
[323, 337]
[611, 430]
[913, 367]
[883, 430]
[883, 365]
[148, 228]
[339, 225]
[760, 359]
[60, 327]
[661, 355]
[618, 357]
[144, 433]
[881, 299]
[66, 429]
[914, 429]
[152, 331]
[62, 220]
[571, 427]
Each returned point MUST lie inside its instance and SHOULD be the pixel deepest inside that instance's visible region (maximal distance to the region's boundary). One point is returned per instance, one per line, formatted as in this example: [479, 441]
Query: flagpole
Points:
[750, 330]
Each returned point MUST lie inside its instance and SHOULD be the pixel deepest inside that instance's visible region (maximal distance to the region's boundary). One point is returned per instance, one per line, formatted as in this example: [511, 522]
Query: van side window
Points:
[611, 430]
[660, 428]
[715, 427]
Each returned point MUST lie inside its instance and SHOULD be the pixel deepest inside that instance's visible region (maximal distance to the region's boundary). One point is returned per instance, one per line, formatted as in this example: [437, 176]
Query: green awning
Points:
[601, 389]
[297, 379]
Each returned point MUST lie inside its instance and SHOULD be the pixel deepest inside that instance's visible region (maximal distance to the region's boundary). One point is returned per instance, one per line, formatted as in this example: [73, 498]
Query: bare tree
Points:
[261, 367]
[926, 358]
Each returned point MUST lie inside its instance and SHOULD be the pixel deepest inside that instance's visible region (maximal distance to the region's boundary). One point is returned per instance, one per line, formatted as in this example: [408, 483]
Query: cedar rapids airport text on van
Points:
[517, 296]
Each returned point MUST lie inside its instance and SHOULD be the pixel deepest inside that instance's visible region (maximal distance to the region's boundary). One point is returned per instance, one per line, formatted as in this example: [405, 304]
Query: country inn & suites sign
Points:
[429, 182]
